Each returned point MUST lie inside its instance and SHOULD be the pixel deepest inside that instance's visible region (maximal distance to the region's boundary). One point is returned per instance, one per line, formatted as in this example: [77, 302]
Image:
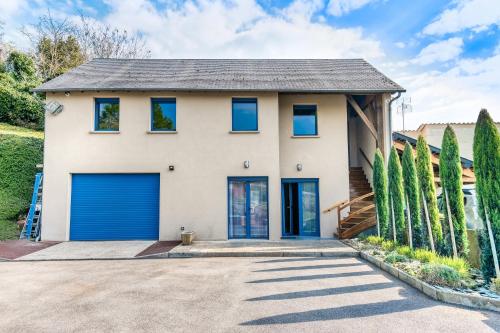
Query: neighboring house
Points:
[433, 133]
[226, 148]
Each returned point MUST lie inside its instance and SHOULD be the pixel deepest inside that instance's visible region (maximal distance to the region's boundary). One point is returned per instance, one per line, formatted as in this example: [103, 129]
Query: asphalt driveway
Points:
[221, 295]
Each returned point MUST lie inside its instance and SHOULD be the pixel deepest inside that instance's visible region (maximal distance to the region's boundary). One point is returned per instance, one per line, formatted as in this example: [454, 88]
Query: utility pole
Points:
[404, 106]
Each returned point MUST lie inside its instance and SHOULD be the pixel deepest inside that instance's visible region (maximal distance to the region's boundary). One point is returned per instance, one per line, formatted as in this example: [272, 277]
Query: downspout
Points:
[390, 121]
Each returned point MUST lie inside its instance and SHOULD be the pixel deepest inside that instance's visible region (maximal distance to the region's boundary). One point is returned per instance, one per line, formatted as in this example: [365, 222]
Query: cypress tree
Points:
[396, 196]
[425, 175]
[450, 172]
[412, 190]
[487, 172]
[381, 194]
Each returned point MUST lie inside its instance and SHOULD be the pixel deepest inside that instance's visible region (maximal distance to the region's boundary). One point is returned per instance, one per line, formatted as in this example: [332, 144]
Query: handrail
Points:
[337, 204]
[350, 202]
[366, 158]
[359, 211]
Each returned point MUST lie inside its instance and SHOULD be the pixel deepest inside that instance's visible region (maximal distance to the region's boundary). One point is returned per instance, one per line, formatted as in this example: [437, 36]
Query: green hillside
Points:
[21, 150]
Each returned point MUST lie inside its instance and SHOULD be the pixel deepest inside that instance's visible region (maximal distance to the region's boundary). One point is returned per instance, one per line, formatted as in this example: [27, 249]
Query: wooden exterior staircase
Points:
[360, 208]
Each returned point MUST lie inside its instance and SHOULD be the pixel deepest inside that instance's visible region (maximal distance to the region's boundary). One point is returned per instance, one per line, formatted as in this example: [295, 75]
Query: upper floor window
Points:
[163, 114]
[305, 120]
[107, 114]
[245, 114]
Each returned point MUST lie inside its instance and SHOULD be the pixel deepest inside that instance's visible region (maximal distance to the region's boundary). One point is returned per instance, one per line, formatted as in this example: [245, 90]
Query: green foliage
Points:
[21, 66]
[458, 264]
[495, 285]
[394, 257]
[381, 194]
[425, 176]
[424, 255]
[8, 230]
[374, 240]
[395, 175]
[405, 251]
[450, 172]
[388, 245]
[440, 275]
[412, 191]
[487, 172]
[18, 159]
[59, 56]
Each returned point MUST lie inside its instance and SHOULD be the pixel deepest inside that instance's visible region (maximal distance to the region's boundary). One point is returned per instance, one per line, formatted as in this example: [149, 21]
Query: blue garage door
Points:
[114, 206]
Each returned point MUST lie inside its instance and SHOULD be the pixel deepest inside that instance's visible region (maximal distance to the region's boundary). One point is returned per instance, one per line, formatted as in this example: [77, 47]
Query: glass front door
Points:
[248, 207]
[300, 200]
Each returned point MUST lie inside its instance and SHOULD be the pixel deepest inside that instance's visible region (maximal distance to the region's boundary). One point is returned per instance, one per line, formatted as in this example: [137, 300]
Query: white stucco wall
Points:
[203, 152]
[324, 157]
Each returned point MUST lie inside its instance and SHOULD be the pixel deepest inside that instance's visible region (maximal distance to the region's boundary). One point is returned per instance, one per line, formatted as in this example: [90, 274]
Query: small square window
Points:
[107, 114]
[305, 120]
[245, 114]
[163, 114]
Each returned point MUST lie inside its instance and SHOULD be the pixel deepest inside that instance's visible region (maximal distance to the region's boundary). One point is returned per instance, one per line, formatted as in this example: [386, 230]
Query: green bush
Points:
[458, 264]
[374, 240]
[424, 256]
[450, 172]
[495, 285]
[388, 245]
[396, 193]
[487, 171]
[381, 194]
[412, 191]
[395, 257]
[18, 159]
[440, 275]
[20, 108]
[405, 251]
[425, 175]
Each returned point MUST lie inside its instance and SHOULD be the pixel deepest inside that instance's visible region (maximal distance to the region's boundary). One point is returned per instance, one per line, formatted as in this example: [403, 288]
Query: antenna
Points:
[404, 106]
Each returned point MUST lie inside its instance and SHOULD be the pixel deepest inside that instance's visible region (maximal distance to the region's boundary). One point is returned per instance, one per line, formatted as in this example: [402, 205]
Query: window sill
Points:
[104, 132]
[244, 132]
[305, 136]
[161, 132]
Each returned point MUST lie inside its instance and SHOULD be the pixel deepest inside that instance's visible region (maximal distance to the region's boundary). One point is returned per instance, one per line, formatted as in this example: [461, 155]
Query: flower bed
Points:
[444, 273]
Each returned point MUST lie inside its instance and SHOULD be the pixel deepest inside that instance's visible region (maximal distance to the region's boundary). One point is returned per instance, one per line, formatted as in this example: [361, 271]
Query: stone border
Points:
[446, 296]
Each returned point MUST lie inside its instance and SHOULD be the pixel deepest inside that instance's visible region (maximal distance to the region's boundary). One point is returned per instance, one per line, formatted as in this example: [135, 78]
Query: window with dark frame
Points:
[245, 114]
[163, 114]
[107, 114]
[305, 120]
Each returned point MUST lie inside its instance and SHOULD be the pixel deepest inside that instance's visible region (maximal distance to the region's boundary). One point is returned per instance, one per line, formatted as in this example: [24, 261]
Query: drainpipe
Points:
[390, 121]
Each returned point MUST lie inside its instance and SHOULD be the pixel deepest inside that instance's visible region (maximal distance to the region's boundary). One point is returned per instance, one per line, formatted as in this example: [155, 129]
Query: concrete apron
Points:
[257, 248]
[113, 250]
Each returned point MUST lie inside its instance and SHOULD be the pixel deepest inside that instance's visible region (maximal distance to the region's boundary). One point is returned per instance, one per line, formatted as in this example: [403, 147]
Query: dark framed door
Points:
[300, 207]
[248, 213]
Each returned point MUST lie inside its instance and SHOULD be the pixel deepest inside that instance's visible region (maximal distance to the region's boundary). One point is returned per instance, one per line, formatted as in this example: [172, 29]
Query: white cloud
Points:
[10, 7]
[240, 29]
[440, 51]
[455, 95]
[467, 14]
[342, 7]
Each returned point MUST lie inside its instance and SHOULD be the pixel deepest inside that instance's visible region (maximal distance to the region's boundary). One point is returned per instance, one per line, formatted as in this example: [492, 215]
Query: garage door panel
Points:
[114, 206]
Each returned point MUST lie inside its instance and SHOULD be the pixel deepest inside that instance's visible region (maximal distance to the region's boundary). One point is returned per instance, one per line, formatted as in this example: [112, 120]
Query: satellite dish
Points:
[53, 107]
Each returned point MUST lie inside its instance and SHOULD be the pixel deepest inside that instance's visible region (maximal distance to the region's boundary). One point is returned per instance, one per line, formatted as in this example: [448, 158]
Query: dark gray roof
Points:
[281, 75]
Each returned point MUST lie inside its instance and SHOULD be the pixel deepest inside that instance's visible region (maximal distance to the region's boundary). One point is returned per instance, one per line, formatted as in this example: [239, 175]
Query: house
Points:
[433, 133]
[144, 149]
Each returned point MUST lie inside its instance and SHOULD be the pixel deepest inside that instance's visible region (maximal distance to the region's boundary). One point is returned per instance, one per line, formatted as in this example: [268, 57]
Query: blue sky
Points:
[445, 53]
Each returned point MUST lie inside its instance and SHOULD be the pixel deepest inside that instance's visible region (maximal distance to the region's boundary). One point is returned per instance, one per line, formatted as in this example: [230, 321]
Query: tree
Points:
[21, 66]
[487, 172]
[425, 175]
[412, 191]
[102, 41]
[450, 172]
[381, 194]
[396, 195]
[55, 46]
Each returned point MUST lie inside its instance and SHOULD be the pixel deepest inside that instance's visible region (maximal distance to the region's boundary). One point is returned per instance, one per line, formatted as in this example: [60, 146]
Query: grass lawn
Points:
[20, 151]
[8, 230]
[20, 131]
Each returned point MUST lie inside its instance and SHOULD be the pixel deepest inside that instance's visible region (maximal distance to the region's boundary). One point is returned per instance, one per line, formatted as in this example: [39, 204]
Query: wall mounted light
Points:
[246, 164]
[67, 93]
[299, 167]
[171, 168]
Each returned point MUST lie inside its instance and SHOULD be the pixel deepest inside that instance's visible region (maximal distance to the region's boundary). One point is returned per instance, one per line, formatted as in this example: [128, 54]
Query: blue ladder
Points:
[33, 223]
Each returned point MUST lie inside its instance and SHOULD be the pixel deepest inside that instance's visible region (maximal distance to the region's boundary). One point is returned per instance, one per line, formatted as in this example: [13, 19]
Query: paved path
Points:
[222, 295]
